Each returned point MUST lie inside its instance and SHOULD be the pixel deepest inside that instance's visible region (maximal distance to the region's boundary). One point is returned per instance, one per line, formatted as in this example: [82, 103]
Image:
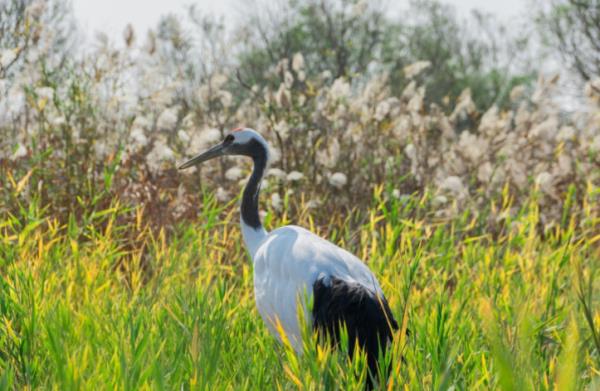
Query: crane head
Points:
[239, 142]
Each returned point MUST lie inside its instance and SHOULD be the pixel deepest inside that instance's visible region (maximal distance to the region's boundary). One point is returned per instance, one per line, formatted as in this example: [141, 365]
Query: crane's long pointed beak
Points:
[214, 152]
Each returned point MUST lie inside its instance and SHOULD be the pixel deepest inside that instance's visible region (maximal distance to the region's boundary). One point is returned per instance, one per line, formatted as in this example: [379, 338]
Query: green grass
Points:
[80, 310]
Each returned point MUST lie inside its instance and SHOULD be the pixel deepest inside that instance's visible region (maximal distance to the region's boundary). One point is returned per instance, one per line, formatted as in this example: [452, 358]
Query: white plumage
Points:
[287, 262]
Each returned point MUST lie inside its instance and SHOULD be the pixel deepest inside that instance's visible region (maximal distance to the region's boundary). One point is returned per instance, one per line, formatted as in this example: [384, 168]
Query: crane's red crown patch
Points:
[237, 129]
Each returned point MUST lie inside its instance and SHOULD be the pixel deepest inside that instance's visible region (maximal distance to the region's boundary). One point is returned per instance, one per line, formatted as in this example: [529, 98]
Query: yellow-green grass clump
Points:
[516, 309]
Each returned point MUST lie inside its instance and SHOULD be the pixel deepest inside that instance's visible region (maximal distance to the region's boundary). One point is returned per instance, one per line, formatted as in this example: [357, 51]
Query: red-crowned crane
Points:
[291, 262]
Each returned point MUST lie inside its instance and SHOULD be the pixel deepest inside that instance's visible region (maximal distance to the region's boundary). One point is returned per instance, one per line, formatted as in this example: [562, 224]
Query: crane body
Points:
[293, 266]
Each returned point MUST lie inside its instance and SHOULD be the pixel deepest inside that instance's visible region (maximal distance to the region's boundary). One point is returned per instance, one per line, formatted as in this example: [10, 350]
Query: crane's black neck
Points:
[259, 155]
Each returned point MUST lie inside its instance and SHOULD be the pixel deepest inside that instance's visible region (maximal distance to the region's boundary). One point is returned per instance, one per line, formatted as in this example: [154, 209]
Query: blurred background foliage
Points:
[572, 28]
[351, 39]
[349, 97]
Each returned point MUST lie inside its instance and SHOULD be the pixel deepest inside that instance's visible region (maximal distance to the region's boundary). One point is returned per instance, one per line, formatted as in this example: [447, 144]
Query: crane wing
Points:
[365, 315]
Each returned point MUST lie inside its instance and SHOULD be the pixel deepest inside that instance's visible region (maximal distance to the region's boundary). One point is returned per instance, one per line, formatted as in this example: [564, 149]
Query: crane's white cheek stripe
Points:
[244, 136]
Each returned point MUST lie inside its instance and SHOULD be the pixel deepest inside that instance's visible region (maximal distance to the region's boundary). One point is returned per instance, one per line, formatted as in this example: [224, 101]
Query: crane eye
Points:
[228, 139]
